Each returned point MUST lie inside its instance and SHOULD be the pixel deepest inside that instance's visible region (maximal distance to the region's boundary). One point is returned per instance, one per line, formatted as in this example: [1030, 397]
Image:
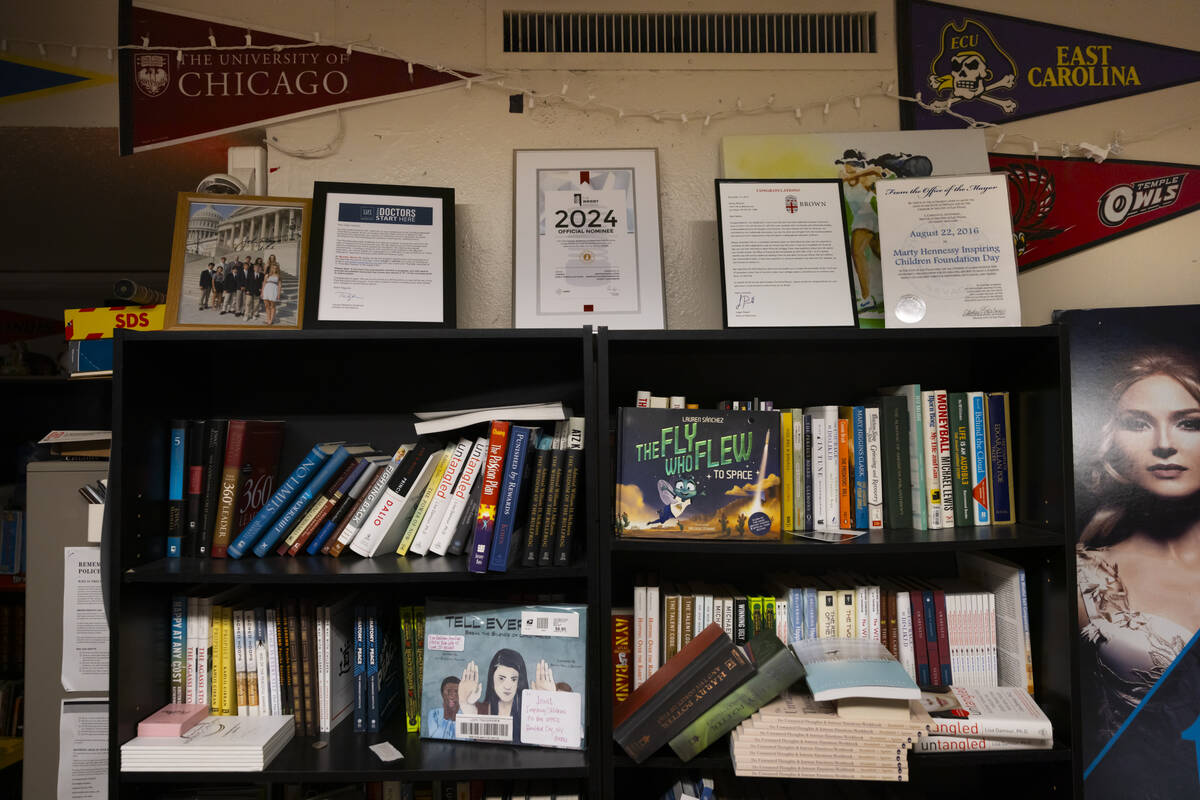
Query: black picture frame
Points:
[718, 183]
[322, 190]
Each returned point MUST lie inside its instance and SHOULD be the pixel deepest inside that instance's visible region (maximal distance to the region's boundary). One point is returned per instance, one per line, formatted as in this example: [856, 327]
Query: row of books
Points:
[973, 630]
[12, 542]
[355, 657]
[563, 789]
[12, 638]
[510, 494]
[909, 458]
[247, 657]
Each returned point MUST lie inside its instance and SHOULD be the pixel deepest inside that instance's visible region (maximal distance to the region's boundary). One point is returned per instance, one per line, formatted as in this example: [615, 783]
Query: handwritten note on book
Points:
[552, 719]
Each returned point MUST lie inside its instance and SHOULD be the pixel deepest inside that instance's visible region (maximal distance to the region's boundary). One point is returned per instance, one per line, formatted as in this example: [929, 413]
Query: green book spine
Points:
[778, 668]
[960, 452]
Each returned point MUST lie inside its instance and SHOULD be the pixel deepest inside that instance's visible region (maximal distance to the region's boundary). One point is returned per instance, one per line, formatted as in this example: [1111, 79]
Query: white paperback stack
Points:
[795, 736]
[218, 744]
[973, 718]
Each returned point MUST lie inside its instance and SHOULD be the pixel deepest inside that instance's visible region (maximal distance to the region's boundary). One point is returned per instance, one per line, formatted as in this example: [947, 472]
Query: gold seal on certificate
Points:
[587, 244]
[947, 252]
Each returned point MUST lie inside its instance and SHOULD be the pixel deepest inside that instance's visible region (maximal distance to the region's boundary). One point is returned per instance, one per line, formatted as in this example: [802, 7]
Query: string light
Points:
[498, 81]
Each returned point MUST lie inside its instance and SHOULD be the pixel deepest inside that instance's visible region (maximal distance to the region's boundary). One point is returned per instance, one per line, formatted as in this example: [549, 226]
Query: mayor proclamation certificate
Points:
[947, 252]
[784, 260]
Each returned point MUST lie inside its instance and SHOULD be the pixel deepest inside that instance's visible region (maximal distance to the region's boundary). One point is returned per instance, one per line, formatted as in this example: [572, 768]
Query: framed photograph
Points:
[784, 257]
[381, 256]
[587, 246]
[238, 262]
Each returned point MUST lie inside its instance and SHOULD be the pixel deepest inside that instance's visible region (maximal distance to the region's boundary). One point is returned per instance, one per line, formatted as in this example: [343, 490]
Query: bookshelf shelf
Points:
[997, 537]
[302, 570]
[717, 758]
[345, 757]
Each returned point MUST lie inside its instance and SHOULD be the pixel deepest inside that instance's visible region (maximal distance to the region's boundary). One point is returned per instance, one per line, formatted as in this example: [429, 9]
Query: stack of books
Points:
[968, 718]
[219, 744]
[796, 736]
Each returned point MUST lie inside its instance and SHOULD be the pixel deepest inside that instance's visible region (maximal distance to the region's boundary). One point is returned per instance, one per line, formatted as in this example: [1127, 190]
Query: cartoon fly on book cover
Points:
[688, 474]
[497, 673]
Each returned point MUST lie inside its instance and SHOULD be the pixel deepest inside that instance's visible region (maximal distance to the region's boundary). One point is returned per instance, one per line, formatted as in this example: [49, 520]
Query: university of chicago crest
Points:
[151, 73]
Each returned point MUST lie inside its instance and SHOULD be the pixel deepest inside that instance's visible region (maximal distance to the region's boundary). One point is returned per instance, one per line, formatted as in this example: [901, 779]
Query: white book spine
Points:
[653, 630]
[933, 470]
[191, 688]
[874, 469]
[643, 399]
[387, 524]
[862, 612]
[945, 458]
[264, 680]
[273, 662]
[977, 434]
[833, 511]
[370, 503]
[323, 665]
[820, 507]
[781, 619]
[204, 656]
[459, 498]
[432, 521]
[904, 631]
[873, 605]
[639, 636]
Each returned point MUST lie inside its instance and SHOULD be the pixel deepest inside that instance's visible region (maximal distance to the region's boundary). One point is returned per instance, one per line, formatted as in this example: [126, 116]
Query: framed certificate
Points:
[947, 252]
[587, 247]
[784, 259]
[381, 256]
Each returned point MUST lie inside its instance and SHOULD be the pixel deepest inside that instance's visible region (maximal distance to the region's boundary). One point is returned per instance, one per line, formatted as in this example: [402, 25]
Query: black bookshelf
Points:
[327, 385]
[803, 367]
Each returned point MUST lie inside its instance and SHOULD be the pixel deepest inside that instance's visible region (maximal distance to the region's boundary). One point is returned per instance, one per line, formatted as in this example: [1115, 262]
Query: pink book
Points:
[173, 719]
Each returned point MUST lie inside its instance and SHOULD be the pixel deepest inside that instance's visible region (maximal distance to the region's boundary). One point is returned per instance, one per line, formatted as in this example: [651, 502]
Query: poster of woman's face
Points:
[238, 262]
[1135, 420]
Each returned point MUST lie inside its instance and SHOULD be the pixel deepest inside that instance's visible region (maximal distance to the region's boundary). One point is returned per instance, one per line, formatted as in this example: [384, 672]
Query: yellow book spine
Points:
[414, 524]
[217, 642]
[419, 638]
[314, 508]
[785, 468]
[412, 717]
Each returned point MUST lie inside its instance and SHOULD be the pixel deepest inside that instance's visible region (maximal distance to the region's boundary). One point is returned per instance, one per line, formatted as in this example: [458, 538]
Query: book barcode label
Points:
[496, 729]
[550, 623]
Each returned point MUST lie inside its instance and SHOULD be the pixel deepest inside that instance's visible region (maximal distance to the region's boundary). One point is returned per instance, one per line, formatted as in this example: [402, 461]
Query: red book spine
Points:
[920, 649]
[622, 657]
[943, 636]
[230, 478]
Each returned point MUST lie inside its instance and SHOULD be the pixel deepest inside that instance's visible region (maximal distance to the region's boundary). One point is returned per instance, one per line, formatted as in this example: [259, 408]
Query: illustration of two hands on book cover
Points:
[497, 673]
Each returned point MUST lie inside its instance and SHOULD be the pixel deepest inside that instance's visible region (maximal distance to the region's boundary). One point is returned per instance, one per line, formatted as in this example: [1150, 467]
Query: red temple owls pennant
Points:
[179, 89]
[1063, 205]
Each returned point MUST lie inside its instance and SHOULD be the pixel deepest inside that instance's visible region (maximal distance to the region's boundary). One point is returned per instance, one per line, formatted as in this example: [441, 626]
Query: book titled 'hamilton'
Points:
[688, 474]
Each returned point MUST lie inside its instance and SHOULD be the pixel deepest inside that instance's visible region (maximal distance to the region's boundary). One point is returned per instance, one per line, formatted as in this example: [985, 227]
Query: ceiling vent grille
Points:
[648, 33]
[705, 35]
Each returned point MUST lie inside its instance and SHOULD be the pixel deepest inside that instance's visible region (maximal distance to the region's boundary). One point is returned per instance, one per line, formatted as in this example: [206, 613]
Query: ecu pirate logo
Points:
[969, 66]
[151, 74]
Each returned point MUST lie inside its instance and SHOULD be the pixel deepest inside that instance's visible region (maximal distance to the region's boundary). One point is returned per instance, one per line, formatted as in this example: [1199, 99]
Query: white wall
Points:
[465, 139]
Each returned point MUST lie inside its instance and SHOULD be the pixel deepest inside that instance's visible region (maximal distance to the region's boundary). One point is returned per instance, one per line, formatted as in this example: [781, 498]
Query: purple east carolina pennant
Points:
[995, 68]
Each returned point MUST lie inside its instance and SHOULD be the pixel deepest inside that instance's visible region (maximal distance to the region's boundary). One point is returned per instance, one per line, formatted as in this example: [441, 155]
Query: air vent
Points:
[572, 34]
[549, 32]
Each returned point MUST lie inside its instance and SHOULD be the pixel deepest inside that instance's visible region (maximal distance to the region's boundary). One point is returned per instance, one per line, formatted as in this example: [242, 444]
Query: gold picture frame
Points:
[238, 234]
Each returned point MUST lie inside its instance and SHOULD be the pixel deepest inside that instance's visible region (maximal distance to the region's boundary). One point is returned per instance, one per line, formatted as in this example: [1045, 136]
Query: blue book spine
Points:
[861, 516]
[267, 514]
[326, 530]
[175, 489]
[810, 613]
[510, 496]
[178, 648]
[360, 670]
[980, 457]
[372, 669]
[930, 612]
[999, 453]
[330, 468]
[796, 615]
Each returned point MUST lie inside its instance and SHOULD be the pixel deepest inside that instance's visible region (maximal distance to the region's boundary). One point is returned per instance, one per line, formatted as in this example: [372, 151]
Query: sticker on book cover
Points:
[550, 623]
[483, 727]
[552, 719]
[446, 642]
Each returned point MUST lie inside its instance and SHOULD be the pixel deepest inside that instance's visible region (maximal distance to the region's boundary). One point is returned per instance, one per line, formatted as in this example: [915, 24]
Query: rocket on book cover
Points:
[688, 474]
[505, 673]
